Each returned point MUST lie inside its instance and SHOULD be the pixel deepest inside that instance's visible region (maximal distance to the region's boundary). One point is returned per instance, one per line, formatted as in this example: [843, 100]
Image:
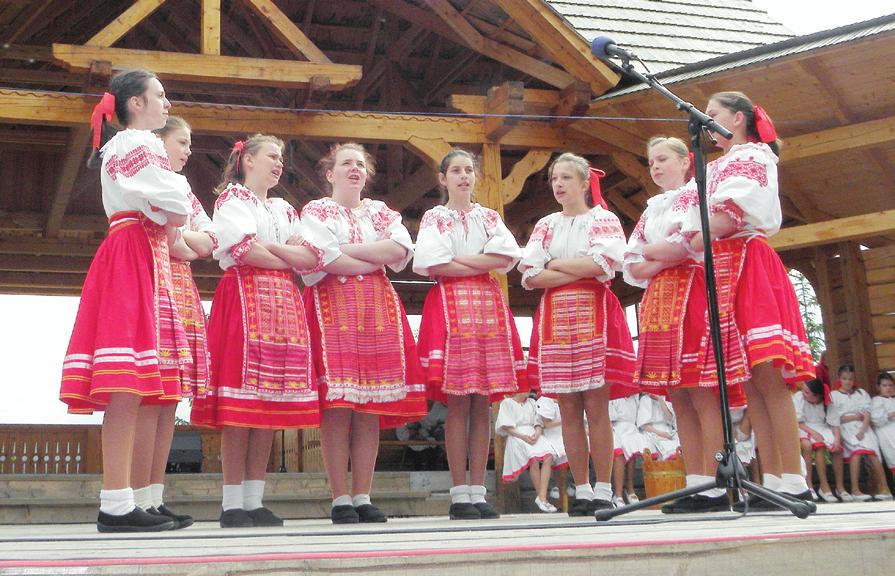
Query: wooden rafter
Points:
[211, 27]
[124, 23]
[503, 105]
[838, 230]
[631, 166]
[502, 53]
[533, 161]
[852, 137]
[565, 46]
[206, 67]
[285, 30]
[22, 106]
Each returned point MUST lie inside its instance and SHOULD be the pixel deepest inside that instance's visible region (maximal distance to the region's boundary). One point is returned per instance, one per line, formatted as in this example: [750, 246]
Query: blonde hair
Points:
[250, 146]
[328, 162]
[173, 123]
[676, 144]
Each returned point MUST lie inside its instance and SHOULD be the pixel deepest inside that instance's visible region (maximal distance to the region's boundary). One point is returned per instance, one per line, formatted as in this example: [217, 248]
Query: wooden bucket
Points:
[662, 476]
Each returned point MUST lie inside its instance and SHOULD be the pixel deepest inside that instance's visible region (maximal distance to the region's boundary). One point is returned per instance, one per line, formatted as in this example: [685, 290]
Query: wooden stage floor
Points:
[847, 539]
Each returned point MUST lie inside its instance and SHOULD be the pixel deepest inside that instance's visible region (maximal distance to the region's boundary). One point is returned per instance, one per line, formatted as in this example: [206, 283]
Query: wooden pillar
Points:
[860, 327]
[824, 290]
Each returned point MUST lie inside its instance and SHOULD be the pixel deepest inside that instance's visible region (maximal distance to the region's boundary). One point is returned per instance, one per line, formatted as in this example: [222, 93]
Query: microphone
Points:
[604, 48]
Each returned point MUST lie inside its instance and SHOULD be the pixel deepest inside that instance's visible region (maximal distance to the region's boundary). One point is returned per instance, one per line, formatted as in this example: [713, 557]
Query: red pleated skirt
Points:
[127, 336]
[468, 342]
[580, 341]
[261, 361]
[365, 358]
[194, 377]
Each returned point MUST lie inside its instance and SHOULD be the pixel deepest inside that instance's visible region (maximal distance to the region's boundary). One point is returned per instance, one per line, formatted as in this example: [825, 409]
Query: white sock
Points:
[344, 500]
[603, 491]
[232, 497]
[793, 483]
[116, 502]
[711, 492]
[771, 482]
[692, 480]
[584, 492]
[460, 494]
[158, 490]
[477, 494]
[359, 500]
[252, 494]
[143, 497]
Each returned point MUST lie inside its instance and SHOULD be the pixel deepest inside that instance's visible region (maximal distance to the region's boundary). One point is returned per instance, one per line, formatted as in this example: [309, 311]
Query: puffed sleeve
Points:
[136, 169]
[500, 240]
[834, 413]
[634, 252]
[388, 224]
[235, 226]
[433, 243]
[318, 220]
[878, 414]
[547, 408]
[606, 243]
[745, 188]
[863, 403]
[535, 255]
[798, 401]
[506, 416]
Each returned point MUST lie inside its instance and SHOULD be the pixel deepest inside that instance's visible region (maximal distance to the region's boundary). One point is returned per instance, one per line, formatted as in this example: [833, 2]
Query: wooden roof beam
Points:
[25, 107]
[211, 68]
[838, 230]
[210, 39]
[288, 32]
[533, 162]
[121, 25]
[503, 101]
[497, 51]
[565, 46]
[630, 165]
[852, 137]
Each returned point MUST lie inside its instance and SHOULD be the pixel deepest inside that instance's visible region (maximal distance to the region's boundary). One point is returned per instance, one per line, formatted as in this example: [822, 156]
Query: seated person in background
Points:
[817, 437]
[655, 418]
[526, 447]
[629, 443]
[431, 428]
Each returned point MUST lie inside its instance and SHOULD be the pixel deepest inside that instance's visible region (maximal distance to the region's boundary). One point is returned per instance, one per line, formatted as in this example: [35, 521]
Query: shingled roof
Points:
[668, 34]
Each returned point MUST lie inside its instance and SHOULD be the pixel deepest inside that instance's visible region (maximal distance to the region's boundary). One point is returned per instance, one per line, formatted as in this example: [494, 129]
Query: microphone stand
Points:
[730, 472]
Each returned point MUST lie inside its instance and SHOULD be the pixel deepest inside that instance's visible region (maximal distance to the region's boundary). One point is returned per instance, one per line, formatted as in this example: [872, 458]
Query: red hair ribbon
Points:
[105, 109]
[764, 126]
[595, 175]
[692, 165]
[237, 147]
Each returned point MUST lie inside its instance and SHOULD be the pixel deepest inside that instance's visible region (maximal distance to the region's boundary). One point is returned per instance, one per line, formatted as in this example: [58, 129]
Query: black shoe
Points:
[367, 514]
[581, 508]
[344, 514]
[236, 518]
[486, 510]
[464, 511]
[264, 517]
[680, 506]
[181, 520]
[137, 520]
[598, 504]
[755, 503]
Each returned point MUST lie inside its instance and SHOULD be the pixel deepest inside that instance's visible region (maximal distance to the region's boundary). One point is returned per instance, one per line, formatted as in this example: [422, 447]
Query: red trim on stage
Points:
[285, 556]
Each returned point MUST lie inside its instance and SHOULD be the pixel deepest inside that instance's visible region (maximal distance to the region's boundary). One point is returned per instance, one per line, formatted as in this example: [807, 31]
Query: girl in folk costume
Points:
[519, 422]
[882, 414]
[128, 346]
[628, 443]
[468, 342]
[745, 210]
[155, 422]
[851, 412]
[817, 437]
[581, 346]
[261, 361]
[366, 361]
[673, 343]
[656, 420]
[548, 410]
